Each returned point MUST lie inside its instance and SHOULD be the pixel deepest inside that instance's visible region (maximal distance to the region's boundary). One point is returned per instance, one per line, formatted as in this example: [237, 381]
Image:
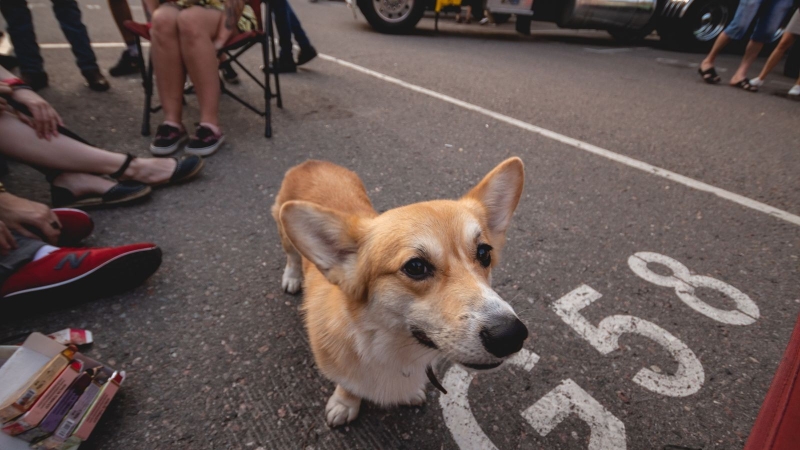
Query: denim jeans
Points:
[287, 24]
[20, 28]
[768, 13]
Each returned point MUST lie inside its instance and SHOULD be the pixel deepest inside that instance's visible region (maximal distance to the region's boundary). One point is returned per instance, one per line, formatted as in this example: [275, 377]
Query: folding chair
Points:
[234, 48]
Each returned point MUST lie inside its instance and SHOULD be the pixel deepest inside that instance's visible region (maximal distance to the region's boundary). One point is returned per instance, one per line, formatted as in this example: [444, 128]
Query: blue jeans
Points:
[287, 24]
[20, 28]
[768, 13]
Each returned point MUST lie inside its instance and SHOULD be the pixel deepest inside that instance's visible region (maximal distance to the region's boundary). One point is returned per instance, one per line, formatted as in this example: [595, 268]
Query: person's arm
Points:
[232, 13]
[26, 217]
[45, 118]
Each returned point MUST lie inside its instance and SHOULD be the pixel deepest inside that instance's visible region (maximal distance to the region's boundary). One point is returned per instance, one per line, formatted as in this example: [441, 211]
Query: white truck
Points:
[686, 24]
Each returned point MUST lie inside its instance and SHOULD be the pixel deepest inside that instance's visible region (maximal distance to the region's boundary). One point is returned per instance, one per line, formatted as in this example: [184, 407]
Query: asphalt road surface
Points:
[630, 158]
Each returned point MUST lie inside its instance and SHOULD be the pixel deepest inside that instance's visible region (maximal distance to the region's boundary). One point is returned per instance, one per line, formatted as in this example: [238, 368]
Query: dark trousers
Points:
[20, 28]
[287, 24]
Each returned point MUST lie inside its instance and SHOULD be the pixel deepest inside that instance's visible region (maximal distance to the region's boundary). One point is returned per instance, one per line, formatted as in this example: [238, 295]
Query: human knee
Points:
[164, 22]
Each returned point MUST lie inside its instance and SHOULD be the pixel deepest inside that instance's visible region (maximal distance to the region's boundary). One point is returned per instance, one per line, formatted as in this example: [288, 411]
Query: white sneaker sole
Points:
[166, 151]
[206, 151]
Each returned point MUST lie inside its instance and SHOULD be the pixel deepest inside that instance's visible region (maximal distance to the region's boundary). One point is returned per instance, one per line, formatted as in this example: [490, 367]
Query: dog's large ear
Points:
[325, 237]
[499, 194]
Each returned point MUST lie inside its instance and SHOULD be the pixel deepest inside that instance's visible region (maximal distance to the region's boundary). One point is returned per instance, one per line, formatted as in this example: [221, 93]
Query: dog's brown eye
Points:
[418, 269]
[484, 255]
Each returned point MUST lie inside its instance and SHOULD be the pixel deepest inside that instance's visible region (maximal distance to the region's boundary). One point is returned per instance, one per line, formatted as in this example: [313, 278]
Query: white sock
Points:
[757, 82]
[44, 251]
[133, 50]
[795, 90]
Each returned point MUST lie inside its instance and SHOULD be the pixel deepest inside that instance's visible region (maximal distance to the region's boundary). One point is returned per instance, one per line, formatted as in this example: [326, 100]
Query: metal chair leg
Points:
[148, 97]
[275, 61]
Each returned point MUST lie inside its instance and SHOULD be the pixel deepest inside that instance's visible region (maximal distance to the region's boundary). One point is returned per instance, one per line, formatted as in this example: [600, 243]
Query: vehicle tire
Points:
[392, 16]
[501, 18]
[699, 27]
[627, 36]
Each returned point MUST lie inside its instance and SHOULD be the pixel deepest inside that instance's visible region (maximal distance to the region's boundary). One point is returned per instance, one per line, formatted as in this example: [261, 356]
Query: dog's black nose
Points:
[504, 337]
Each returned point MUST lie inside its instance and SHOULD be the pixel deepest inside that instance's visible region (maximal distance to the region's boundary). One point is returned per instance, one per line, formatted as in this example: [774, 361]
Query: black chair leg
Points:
[271, 38]
[147, 81]
[267, 84]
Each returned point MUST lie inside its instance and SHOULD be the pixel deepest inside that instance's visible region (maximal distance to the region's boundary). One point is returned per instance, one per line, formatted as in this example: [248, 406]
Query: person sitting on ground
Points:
[38, 260]
[288, 25]
[74, 168]
[787, 40]
[185, 37]
[20, 28]
[768, 15]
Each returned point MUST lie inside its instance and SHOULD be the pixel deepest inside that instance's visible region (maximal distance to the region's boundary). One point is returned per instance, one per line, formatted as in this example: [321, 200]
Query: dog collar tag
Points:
[433, 380]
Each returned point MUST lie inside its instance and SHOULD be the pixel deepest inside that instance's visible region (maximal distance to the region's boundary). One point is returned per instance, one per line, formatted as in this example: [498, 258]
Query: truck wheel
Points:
[700, 26]
[392, 16]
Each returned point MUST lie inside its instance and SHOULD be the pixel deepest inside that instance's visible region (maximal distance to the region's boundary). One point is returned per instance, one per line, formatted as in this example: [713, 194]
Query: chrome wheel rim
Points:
[393, 11]
[713, 18]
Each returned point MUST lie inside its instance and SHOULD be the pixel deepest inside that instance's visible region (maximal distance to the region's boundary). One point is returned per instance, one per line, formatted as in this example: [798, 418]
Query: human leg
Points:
[297, 29]
[170, 72]
[750, 55]
[69, 18]
[774, 58]
[129, 62]
[74, 158]
[736, 30]
[20, 28]
[280, 9]
[197, 27]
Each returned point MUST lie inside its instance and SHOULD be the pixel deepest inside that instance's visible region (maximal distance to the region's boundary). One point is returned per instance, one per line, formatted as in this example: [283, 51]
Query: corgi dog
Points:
[387, 295]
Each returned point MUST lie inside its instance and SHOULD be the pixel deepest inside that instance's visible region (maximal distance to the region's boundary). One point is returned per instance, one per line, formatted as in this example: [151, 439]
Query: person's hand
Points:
[4, 90]
[27, 218]
[7, 241]
[45, 119]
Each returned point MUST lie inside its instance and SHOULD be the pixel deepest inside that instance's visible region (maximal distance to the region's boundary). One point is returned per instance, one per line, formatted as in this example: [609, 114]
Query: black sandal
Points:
[120, 193]
[745, 85]
[186, 168]
[710, 76]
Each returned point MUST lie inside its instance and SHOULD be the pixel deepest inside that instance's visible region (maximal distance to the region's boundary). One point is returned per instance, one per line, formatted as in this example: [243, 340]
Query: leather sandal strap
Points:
[123, 167]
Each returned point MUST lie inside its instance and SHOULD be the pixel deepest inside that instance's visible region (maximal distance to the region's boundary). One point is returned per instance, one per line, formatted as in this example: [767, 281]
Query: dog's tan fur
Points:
[360, 307]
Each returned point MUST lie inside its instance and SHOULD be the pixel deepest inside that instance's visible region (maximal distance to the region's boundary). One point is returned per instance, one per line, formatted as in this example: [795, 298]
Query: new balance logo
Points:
[73, 259]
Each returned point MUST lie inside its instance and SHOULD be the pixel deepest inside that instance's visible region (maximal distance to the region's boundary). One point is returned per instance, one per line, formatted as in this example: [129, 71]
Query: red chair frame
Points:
[234, 48]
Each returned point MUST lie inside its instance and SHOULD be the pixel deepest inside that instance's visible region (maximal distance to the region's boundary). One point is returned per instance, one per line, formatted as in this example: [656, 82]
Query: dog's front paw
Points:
[342, 408]
[291, 281]
[418, 399]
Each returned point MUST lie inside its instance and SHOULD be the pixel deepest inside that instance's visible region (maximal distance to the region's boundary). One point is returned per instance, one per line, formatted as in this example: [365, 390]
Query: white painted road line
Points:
[622, 159]
[62, 46]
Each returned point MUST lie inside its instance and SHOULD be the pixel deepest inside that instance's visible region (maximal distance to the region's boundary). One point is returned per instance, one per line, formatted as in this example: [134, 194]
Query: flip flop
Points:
[745, 85]
[710, 76]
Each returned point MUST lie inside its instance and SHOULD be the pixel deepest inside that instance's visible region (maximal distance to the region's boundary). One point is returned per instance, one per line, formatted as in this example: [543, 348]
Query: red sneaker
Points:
[76, 225]
[83, 273]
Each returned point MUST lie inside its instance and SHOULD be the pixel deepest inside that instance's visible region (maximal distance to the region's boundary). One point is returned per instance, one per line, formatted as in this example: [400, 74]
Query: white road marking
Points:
[622, 159]
[455, 406]
[607, 432]
[688, 377]
[64, 45]
[684, 283]
[5, 45]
